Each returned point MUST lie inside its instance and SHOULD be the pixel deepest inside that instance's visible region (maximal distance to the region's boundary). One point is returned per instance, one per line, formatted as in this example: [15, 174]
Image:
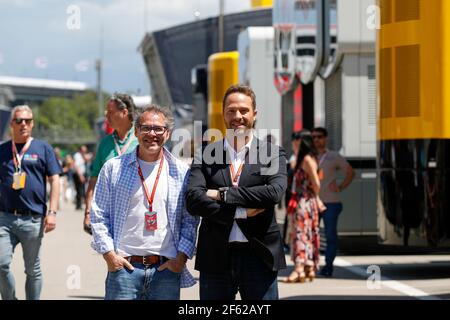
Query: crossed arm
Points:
[203, 202]
[198, 202]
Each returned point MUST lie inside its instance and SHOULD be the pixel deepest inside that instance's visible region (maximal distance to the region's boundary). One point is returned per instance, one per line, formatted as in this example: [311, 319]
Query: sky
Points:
[60, 39]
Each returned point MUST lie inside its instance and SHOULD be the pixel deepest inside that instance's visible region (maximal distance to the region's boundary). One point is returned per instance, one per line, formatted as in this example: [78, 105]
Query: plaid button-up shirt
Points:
[111, 202]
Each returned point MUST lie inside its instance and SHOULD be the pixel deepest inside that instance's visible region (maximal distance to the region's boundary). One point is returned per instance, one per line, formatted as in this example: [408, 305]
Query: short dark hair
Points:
[321, 130]
[240, 88]
[124, 101]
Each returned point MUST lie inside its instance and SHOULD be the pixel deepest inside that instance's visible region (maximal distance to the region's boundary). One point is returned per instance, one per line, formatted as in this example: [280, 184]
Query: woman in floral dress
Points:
[303, 211]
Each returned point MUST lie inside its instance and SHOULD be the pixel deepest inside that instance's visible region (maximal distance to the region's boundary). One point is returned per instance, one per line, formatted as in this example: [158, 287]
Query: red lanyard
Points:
[152, 196]
[235, 176]
[17, 158]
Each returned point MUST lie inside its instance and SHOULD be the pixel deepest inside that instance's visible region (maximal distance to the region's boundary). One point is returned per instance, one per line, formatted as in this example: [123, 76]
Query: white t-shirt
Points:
[135, 240]
[79, 162]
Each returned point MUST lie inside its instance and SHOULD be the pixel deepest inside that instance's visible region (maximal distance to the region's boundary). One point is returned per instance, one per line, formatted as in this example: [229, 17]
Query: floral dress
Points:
[304, 223]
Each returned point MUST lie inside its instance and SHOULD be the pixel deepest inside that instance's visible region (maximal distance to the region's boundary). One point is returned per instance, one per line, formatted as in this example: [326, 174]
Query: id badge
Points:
[151, 223]
[320, 173]
[19, 179]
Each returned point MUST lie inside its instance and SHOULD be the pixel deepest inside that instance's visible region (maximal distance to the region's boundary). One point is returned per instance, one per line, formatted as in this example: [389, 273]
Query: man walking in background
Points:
[119, 114]
[79, 175]
[25, 164]
[329, 163]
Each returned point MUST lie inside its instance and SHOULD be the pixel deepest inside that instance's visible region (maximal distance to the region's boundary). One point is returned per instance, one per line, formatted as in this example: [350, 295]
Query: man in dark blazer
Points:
[234, 186]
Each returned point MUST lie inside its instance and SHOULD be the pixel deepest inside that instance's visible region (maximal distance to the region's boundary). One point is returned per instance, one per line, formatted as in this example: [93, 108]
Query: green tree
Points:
[67, 121]
[88, 105]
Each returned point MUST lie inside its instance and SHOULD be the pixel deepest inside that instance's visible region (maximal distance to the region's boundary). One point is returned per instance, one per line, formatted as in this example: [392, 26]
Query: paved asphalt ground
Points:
[72, 270]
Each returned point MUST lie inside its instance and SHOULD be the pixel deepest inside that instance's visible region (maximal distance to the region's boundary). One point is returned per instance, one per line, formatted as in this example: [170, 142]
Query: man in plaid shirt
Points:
[139, 219]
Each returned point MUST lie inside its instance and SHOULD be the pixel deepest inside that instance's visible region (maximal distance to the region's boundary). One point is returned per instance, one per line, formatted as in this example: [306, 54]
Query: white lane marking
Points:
[387, 282]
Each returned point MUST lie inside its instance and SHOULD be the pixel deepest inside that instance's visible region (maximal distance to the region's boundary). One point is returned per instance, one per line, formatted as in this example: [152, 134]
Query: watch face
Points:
[224, 195]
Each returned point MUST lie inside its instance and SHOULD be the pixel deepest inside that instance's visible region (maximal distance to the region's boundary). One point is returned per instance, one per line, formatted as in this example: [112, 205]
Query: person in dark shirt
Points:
[25, 166]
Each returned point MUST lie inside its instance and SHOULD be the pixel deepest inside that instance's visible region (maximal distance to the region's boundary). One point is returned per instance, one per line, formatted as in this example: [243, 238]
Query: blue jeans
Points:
[248, 275]
[28, 231]
[143, 283]
[330, 219]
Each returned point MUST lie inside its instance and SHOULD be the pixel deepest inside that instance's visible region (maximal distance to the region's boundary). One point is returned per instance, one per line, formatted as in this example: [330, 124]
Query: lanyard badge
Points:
[151, 216]
[19, 179]
[19, 176]
[151, 221]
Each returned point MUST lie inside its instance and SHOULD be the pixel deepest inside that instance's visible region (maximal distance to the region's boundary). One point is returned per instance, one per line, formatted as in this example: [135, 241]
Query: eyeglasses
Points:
[318, 136]
[159, 130]
[19, 120]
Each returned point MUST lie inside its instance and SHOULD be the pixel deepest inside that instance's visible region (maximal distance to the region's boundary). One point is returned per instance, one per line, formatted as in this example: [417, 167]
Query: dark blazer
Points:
[262, 184]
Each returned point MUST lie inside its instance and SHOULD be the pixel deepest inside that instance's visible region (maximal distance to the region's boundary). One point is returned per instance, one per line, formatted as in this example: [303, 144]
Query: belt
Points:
[147, 260]
[21, 212]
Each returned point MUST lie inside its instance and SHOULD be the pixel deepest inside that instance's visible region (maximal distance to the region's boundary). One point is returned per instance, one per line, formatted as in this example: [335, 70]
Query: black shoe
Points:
[326, 272]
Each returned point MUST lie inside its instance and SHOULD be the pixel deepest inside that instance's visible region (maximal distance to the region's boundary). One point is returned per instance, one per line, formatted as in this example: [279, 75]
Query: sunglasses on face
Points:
[19, 120]
[159, 130]
[317, 136]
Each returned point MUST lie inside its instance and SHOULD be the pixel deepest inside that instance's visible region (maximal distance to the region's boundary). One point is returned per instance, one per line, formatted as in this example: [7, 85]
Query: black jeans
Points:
[79, 188]
[248, 275]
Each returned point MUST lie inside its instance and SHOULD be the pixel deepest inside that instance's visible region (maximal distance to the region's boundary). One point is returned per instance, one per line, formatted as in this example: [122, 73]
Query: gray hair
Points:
[23, 107]
[154, 108]
[124, 101]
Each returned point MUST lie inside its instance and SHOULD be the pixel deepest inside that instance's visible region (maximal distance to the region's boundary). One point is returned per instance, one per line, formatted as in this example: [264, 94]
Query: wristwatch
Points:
[223, 193]
[49, 212]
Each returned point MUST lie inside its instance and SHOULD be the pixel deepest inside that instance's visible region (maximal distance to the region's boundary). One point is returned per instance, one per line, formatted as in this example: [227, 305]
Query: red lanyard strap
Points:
[235, 175]
[17, 158]
[152, 196]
